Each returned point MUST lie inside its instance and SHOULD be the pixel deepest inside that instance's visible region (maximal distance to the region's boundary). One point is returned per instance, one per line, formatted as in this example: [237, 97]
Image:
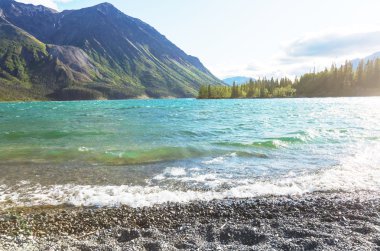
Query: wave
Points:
[267, 142]
[52, 134]
[359, 172]
[223, 158]
[90, 155]
[139, 196]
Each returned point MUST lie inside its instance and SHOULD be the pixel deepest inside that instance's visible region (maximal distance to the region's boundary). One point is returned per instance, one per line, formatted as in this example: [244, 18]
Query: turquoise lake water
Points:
[141, 152]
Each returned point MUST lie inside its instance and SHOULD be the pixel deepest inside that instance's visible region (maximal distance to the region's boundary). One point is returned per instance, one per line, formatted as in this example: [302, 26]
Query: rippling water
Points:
[140, 152]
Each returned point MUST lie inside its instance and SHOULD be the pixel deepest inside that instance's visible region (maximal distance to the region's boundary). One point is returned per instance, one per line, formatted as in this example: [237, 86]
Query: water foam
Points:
[220, 159]
[217, 160]
[138, 196]
[177, 171]
[170, 172]
[357, 172]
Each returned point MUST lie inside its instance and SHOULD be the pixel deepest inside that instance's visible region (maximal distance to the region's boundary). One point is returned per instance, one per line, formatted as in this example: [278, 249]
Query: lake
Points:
[142, 152]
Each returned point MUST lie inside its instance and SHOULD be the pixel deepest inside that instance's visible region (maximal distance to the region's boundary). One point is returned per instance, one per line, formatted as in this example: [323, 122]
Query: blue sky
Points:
[258, 38]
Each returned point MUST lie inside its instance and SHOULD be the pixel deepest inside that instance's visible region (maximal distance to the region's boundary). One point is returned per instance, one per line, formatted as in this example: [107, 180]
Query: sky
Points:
[257, 38]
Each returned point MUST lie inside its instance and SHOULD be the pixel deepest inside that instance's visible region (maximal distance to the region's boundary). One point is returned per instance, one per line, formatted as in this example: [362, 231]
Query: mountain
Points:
[373, 56]
[237, 80]
[25, 65]
[91, 53]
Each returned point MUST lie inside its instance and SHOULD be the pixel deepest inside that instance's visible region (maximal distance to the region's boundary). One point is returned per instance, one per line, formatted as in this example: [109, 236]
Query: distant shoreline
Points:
[36, 101]
[289, 98]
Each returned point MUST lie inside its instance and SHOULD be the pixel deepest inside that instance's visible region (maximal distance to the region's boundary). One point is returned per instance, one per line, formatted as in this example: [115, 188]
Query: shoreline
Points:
[194, 98]
[316, 221]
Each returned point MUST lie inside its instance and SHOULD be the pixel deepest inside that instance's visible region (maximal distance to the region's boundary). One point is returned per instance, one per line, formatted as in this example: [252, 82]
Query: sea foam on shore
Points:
[350, 176]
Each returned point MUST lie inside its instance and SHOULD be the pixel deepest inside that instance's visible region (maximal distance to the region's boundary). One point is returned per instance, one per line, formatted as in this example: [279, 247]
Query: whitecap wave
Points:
[359, 172]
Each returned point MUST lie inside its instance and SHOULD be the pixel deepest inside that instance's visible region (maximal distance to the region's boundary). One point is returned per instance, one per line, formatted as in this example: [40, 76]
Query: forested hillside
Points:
[343, 81]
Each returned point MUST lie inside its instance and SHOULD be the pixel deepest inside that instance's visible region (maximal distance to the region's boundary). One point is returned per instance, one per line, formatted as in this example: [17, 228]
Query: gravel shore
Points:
[318, 221]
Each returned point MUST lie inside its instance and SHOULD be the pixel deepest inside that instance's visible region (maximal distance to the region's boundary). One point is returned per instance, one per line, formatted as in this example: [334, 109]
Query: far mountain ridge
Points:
[373, 56]
[109, 55]
[237, 80]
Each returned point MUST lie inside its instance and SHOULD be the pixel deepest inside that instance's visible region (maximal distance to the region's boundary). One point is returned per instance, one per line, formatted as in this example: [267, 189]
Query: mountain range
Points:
[373, 56]
[237, 80]
[91, 53]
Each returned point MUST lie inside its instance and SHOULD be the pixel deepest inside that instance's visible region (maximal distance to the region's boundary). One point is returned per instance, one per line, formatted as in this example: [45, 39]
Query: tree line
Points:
[343, 81]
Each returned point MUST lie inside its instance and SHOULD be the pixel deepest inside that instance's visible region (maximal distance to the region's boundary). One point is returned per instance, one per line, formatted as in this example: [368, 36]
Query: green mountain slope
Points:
[20, 56]
[29, 69]
[96, 52]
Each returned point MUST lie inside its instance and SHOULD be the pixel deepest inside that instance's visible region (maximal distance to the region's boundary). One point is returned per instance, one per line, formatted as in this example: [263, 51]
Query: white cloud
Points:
[309, 52]
[48, 3]
[334, 44]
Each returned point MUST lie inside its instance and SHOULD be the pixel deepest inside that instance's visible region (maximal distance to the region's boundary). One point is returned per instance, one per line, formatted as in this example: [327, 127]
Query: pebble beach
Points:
[317, 221]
